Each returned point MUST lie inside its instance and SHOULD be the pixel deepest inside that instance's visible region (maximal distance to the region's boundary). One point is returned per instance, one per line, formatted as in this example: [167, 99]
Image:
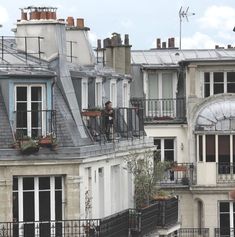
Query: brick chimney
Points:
[70, 21]
[80, 23]
[158, 43]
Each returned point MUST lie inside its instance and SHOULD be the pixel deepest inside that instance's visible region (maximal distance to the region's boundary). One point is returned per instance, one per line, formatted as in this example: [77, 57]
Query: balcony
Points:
[193, 232]
[162, 110]
[34, 123]
[161, 214]
[127, 123]
[180, 174]
[225, 172]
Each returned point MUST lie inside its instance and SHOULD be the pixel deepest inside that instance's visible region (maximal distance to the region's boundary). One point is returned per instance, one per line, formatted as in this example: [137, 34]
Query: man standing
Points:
[108, 116]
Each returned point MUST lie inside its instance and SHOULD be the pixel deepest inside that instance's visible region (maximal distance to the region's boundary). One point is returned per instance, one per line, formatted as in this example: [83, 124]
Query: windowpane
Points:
[210, 148]
[206, 84]
[15, 207]
[45, 207]
[157, 142]
[15, 183]
[58, 183]
[58, 205]
[28, 183]
[36, 94]
[169, 156]
[44, 183]
[218, 82]
[21, 93]
[224, 207]
[224, 148]
[28, 206]
[153, 85]
[169, 144]
[200, 148]
[231, 82]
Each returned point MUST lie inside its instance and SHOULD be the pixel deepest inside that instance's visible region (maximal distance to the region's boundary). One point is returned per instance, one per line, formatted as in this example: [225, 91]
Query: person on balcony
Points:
[108, 117]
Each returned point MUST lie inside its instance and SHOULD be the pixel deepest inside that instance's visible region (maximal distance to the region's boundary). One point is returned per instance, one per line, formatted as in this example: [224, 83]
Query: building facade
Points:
[188, 101]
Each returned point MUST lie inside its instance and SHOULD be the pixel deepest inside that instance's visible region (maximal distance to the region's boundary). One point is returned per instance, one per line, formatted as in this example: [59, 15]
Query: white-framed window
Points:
[38, 198]
[113, 92]
[218, 83]
[226, 218]
[98, 92]
[84, 93]
[30, 105]
[165, 148]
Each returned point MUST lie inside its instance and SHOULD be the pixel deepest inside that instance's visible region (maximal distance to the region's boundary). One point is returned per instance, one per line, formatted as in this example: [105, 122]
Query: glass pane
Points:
[224, 148]
[58, 205]
[200, 148]
[21, 93]
[28, 183]
[231, 82]
[169, 156]
[224, 207]
[157, 142]
[231, 77]
[28, 206]
[36, 94]
[210, 148]
[218, 77]
[15, 207]
[44, 206]
[44, 183]
[207, 77]
[153, 85]
[58, 182]
[169, 144]
[167, 86]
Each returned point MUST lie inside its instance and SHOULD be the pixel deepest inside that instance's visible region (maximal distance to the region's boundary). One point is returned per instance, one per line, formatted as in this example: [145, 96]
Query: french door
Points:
[37, 206]
[29, 108]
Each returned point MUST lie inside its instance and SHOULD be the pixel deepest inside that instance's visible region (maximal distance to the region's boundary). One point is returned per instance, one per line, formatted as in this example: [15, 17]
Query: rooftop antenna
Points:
[184, 14]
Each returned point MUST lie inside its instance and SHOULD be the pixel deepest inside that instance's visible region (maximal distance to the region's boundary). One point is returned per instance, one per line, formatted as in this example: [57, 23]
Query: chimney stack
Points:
[169, 43]
[164, 45]
[172, 42]
[158, 43]
[70, 21]
[230, 46]
[80, 23]
[24, 16]
[99, 44]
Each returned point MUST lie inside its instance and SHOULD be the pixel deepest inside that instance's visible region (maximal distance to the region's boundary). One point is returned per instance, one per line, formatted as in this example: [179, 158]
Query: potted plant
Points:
[185, 180]
[28, 146]
[45, 141]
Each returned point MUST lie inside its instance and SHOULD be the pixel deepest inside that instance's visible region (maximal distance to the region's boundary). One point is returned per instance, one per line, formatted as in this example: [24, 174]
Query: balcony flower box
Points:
[45, 141]
[28, 146]
[91, 113]
[179, 168]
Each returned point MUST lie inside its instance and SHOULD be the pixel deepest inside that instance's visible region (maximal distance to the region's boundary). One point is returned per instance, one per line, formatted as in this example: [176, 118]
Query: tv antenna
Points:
[184, 14]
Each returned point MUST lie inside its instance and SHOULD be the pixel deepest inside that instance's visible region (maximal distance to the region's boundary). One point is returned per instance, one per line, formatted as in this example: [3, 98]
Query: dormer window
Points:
[84, 93]
[29, 110]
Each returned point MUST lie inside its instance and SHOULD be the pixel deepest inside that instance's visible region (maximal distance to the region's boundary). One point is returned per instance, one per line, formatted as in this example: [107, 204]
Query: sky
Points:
[144, 21]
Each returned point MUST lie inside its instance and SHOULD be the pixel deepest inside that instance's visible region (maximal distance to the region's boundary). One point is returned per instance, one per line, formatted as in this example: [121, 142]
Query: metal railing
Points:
[70, 228]
[34, 123]
[182, 174]
[125, 123]
[19, 45]
[193, 232]
[224, 232]
[162, 110]
[225, 172]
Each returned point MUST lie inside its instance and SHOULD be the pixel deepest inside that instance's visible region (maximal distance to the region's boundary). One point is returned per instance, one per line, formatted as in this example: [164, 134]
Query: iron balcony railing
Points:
[224, 232]
[125, 123]
[34, 123]
[162, 110]
[181, 174]
[193, 232]
[225, 172]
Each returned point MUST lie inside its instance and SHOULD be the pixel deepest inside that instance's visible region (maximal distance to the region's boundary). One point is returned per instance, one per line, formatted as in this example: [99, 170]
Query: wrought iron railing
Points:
[225, 172]
[34, 123]
[182, 174]
[193, 232]
[224, 232]
[162, 110]
[125, 123]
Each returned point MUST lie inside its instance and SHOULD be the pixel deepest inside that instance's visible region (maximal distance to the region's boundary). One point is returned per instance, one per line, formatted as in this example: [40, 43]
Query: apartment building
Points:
[188, 101]
[49, 82]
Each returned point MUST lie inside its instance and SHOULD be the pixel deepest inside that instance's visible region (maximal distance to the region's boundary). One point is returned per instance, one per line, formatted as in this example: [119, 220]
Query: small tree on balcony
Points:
[148, 171]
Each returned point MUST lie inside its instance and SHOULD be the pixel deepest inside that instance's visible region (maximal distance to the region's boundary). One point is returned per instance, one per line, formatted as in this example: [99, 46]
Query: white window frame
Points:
[52, 190]
[230, 213]
[126, 94]
[113, 93]
[162, 151]
[98, 92]
[29, 103]
[84, 88]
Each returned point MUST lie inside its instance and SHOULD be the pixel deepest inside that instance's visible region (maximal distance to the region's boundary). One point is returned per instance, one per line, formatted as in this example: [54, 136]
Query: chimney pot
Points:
[173, 42]
[158, 43]
[99, 44]
[169, 42]
[24, 16]
[229, 46]
[44, 15]
[216, 46]
[70, 21]
[163, 45]
[80, 22]
[126, 41]
[34, 15]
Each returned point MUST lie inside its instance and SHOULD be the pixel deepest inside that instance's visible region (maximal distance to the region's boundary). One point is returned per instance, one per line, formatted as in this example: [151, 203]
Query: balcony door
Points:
[29, 106]
[37, 206]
